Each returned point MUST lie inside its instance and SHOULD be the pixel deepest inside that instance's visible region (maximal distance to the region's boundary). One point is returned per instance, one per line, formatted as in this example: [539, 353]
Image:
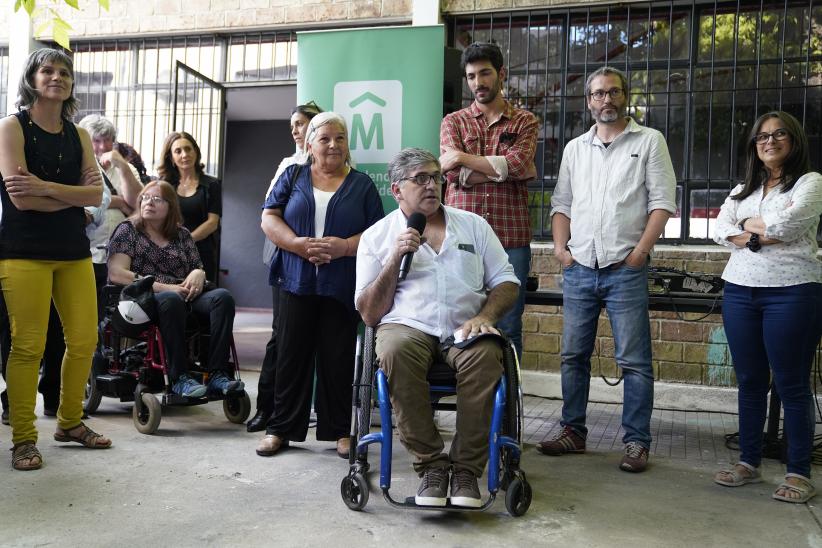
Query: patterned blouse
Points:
[791, 217]
[169, 265]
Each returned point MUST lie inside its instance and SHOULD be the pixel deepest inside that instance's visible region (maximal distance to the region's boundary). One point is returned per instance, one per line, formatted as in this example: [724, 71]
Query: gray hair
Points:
[26, 93]
[99, 127]
[607, 71]
[406, 160]
[323, 119]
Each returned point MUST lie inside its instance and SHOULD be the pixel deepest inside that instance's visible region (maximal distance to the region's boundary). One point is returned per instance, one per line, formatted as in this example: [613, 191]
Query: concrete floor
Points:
[198, 481]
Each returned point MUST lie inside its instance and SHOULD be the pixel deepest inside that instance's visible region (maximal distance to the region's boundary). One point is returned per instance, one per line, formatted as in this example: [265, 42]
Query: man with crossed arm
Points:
[487, 155]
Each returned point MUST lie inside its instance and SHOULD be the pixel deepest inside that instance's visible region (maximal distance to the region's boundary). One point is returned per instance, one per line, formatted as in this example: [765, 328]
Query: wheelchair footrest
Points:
[117, 386]
[174, 399]
[409, 504]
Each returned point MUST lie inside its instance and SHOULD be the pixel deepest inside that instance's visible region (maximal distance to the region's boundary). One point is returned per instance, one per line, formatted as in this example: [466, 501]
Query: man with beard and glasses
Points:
[487, 156]
[615, 192]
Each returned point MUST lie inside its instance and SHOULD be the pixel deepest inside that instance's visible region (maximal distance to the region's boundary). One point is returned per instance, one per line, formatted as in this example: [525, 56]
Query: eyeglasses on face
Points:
[778, 135]
[422, 179]
[599, 95]
[155, 199]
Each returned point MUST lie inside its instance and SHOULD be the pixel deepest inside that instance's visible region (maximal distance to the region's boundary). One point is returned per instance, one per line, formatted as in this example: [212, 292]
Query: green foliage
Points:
[762, 30]
[59, 27]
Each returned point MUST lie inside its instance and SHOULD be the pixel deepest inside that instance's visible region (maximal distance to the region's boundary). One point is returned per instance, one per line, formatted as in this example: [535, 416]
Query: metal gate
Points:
[199, 109]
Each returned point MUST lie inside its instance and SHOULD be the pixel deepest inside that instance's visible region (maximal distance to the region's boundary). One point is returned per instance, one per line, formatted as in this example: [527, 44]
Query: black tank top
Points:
[58, 235]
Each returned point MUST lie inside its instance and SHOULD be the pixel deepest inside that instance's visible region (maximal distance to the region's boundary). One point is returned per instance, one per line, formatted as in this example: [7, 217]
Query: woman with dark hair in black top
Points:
[201, 199]
[49, 174]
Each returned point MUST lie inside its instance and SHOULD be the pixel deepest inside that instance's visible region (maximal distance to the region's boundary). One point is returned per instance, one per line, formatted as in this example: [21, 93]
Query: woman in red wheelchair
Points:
[153, 242]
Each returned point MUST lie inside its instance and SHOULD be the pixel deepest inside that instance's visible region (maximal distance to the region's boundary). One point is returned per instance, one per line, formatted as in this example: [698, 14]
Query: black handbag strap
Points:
[108, 183]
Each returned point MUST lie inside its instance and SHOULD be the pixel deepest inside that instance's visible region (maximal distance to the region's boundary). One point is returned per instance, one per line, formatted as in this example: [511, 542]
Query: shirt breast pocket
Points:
[472, 144]
[625, 173]
[470, 267]
[506, 141]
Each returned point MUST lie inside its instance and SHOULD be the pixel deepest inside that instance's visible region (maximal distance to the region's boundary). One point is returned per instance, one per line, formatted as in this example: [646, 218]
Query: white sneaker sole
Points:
[429, 501]
[466, 502]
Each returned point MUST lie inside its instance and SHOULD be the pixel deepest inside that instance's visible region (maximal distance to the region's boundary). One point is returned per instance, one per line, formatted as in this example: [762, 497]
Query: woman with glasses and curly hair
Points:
[772, 303]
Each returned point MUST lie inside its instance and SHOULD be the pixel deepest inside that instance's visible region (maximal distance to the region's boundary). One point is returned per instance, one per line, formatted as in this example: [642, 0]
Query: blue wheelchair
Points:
[505, 437]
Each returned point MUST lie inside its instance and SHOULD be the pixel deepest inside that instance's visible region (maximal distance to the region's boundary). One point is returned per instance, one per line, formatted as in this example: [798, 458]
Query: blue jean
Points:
[774, 330]
[624, 292]
[511, 323]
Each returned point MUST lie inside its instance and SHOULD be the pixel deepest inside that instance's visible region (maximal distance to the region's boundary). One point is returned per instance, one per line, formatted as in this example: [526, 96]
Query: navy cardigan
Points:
[355, 206]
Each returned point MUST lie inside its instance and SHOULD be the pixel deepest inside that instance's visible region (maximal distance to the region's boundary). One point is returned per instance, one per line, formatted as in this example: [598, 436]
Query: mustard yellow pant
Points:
[28, 288]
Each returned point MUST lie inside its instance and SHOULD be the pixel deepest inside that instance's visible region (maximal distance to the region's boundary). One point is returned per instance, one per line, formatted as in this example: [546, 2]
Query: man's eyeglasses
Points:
[156, 199]
[599, 95]
[422, 179]
[778, 135]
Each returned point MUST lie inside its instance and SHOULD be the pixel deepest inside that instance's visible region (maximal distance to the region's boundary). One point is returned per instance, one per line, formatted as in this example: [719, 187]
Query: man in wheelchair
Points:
[460, 285]
[152, 242]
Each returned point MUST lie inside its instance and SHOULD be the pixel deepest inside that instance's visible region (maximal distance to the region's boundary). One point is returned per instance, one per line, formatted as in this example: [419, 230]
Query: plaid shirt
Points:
[504, 205]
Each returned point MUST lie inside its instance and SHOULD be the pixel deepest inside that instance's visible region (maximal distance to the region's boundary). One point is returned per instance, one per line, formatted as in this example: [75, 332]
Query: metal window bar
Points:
[700, 168]
[710, 125]
[807, 62]
[130, 81]
[732, 133]
[4, 78]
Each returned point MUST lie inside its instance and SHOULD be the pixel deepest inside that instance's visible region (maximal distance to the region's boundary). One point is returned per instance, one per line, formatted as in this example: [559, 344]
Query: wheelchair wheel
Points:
[366, 381]
[93, 396]
[147, 413]
[354, 491]
[518, 496]
[513, 398]
[237, 408]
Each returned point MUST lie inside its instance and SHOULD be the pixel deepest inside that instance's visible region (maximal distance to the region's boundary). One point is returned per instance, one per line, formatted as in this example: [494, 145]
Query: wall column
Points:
[426, 13]
[21, 44]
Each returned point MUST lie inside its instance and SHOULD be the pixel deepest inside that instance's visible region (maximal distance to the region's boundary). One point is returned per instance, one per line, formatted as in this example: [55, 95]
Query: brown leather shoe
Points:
[567, 441]
[270, 444]
[343, 447]
[635, 458]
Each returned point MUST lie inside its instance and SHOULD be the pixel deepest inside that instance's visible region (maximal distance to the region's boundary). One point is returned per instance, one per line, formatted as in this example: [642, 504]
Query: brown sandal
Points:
[26, 450]
[89, 438]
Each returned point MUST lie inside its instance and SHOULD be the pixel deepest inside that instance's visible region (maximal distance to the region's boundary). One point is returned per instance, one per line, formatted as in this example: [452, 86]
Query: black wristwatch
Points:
[742, 224]
[753, 244]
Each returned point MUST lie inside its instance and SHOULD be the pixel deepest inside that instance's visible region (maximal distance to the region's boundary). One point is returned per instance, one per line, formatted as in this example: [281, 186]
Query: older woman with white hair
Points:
[315, 215]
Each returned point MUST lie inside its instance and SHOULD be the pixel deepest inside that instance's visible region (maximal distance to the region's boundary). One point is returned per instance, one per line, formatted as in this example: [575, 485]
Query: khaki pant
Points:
[405, 355]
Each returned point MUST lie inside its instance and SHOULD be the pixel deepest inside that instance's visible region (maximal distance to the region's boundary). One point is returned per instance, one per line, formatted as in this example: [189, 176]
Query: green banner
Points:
[386, 82]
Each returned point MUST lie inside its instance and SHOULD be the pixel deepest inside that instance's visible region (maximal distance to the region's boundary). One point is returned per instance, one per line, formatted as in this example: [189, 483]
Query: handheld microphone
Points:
[417, 221]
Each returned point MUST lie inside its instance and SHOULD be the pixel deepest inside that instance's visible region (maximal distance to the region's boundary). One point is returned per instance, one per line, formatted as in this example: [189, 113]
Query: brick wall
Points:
[131, 17]
[687, 348]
